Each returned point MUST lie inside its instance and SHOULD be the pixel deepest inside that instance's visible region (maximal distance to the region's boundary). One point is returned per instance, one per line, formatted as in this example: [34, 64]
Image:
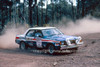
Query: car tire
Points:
[23, 46]
[51, 49]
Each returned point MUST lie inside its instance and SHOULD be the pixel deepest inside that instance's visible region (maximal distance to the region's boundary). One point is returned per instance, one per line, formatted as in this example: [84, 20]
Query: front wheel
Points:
[23, 46]
[51, 49]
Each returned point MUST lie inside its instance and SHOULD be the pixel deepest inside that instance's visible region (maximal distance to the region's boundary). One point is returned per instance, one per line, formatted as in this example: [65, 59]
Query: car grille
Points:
[72, 41]
[65, 43]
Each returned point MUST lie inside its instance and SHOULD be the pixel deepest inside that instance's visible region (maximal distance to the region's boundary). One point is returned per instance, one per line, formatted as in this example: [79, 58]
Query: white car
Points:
[49, 38]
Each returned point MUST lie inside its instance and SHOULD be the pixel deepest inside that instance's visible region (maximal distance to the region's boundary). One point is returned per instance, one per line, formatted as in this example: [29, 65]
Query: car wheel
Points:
[23, 46]
[51, 49]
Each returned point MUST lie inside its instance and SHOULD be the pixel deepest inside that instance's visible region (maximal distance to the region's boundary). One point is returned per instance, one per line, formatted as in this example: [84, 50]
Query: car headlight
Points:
[79, 39]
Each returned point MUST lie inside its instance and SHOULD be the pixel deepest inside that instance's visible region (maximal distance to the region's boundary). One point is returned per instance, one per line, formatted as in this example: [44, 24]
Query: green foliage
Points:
[34, 14]
[86, 7]
[5, 5]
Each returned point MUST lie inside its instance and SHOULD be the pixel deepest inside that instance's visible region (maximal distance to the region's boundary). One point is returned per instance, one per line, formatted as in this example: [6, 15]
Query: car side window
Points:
[38, 33]
[30, 33]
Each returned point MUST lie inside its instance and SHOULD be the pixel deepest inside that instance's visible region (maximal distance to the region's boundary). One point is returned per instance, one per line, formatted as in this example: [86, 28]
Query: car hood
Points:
[62, 37]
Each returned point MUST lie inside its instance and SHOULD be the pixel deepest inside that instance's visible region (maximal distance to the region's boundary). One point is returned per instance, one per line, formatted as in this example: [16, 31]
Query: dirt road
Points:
[88, 55]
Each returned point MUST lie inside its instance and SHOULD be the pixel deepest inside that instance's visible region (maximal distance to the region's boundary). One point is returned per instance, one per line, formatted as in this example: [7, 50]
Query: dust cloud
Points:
[82, 26]
[7, 39]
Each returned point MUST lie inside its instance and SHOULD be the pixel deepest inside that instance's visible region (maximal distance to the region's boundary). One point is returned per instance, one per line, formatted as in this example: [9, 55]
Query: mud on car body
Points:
[49, 38]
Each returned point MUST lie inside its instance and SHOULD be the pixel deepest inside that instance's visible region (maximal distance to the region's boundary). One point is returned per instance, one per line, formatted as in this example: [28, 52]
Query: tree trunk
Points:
[46, 13]
[72, 10]
[82, 8]
[30, 12]
[37, 17]
[78, 9]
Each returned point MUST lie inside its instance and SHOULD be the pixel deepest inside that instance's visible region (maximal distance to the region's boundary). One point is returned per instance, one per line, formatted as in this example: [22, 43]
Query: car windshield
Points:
[51, 32]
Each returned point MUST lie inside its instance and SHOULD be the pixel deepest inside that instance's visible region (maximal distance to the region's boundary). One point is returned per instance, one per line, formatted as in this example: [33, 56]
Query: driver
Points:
[38, 34]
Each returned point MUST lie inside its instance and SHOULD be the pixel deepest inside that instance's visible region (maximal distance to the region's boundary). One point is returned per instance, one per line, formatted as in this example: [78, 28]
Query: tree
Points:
[41, 4]
[30, 10]
[72, 10]
[5, 9]
[85, 7]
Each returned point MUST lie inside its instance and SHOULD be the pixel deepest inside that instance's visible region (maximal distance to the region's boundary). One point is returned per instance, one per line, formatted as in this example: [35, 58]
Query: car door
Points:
[30, 38]
[38, 36]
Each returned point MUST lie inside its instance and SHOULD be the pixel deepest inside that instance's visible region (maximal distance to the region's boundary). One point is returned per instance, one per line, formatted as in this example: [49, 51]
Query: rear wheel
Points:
[51, 49]
[23, 46]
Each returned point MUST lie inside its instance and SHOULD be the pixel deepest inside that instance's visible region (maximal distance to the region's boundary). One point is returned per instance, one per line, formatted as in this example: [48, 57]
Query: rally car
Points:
[49, 38]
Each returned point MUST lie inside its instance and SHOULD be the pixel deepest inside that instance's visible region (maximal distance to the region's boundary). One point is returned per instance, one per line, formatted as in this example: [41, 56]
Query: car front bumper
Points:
[71, 46]
[66, 47]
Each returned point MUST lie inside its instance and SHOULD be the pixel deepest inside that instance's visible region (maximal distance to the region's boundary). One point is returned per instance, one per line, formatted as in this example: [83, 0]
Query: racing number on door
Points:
[39, 42]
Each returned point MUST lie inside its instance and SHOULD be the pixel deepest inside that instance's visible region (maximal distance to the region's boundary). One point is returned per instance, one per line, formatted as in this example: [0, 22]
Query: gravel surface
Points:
[88, 55]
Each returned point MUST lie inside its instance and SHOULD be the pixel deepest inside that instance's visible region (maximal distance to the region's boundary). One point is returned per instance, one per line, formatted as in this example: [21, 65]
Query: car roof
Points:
[40, 28]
